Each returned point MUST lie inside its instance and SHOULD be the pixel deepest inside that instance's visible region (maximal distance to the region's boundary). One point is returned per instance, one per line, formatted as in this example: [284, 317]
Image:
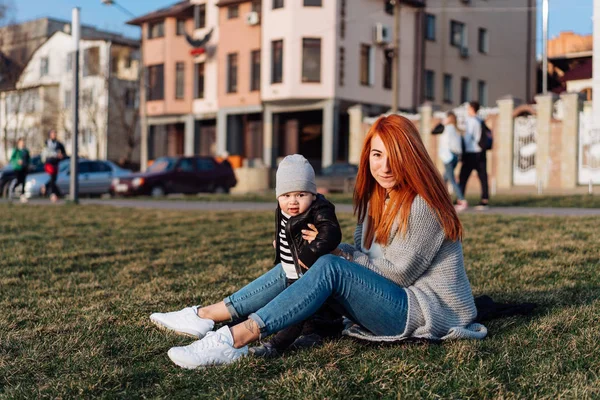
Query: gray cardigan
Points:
[431, 269]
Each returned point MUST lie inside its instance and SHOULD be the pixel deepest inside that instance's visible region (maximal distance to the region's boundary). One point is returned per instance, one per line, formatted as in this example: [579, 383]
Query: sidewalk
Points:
[344, 208]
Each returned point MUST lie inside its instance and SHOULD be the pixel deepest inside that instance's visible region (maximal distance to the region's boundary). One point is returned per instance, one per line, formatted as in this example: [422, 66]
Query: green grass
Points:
[77, 285]
[503, 200]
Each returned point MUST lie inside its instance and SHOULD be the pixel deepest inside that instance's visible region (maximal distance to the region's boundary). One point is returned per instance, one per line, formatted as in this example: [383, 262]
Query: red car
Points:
[187, 175]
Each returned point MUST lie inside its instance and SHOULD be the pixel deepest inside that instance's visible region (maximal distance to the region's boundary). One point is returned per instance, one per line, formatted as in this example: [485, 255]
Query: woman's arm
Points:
[406, 258]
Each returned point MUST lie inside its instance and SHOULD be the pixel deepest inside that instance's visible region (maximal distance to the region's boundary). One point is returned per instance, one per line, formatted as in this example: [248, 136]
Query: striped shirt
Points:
[285, 253]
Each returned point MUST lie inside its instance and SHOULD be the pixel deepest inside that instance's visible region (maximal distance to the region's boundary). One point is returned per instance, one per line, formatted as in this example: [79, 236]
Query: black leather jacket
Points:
[321, 214]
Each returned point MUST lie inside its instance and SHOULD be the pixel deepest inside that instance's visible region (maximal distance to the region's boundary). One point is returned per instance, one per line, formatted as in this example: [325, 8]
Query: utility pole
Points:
[396, 56]
[74, 181]
[545, 46]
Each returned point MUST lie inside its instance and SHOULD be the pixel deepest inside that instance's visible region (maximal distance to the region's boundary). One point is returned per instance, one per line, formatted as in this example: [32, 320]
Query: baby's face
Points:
[295, 203]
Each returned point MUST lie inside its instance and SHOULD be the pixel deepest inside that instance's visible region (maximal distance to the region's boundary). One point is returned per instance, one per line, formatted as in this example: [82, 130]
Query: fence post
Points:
[545, 108]
[503, 140]
[569, 140]
[426, 111]
[357, 133]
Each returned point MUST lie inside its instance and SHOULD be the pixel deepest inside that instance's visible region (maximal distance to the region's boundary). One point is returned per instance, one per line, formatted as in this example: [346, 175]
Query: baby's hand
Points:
[274, 246]
[310, 234]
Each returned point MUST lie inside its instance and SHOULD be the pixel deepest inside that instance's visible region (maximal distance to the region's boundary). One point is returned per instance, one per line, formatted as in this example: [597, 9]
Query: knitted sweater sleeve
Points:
[407, 257]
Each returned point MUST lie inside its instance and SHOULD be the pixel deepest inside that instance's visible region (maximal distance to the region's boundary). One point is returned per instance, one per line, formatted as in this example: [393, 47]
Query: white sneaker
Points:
[215, 349]
[184, 322]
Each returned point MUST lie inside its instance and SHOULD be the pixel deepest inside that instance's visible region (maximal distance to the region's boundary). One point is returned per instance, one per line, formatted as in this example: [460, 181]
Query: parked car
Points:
[95, 178]
[7, 174]
[187, 175]
[337, 178]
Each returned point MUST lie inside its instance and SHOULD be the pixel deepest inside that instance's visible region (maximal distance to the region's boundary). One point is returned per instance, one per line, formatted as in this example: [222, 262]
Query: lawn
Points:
[77, 285]
[501, 200]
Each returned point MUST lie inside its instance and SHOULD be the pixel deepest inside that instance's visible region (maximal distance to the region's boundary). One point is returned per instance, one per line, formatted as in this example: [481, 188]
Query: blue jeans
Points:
[449, 177]
[368, 298]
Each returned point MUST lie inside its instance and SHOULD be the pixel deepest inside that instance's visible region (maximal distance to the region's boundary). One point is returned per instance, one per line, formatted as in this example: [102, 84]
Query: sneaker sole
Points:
[183, 365]
[164, 327]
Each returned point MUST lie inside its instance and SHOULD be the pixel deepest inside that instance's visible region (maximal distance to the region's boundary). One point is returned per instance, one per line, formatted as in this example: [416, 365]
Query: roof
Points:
[224, 3]
[582, 71]
[177, 9]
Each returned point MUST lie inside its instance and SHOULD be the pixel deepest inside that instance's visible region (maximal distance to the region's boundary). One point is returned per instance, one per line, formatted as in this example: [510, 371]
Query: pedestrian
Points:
[404, 277]
[19, 160]
[52, 154]
[474, 157]
[450, 151]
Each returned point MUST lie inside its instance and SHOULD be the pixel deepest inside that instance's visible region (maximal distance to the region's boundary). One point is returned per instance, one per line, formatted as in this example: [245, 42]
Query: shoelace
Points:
[210, 340]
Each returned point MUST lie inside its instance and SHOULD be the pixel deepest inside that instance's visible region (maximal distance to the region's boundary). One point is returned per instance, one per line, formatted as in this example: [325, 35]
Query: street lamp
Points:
[141, 69]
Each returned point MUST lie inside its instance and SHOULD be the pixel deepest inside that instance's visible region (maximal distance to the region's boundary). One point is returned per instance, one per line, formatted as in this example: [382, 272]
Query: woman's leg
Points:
[197, 321]
[450, 167]
[371, 300]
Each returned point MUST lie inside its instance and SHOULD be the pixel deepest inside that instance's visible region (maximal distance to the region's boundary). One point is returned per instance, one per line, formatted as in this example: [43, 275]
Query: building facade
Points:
[286, 76]
[42, 98]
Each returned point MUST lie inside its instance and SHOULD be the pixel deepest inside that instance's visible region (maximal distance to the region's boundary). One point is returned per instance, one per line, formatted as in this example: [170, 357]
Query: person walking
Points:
[52, 154]
[450, 150]
[19, 160]
[474, 157]
[404, 277]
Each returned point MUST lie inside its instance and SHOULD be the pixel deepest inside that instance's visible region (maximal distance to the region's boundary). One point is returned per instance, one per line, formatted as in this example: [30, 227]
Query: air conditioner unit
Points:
[464, 52]
[252, 18]
[383, 34]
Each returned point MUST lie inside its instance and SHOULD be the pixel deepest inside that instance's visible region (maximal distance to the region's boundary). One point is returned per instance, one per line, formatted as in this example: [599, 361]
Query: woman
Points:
[450, 149]
[403, 278]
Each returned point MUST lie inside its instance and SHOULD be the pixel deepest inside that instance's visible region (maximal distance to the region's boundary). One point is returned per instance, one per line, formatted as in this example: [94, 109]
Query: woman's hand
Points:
[310, 234]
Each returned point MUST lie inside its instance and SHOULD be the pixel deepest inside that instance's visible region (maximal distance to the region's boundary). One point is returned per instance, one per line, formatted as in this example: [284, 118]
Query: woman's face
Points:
[380, 165]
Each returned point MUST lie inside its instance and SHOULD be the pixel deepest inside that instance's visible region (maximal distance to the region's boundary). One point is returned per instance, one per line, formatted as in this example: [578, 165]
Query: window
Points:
[341, 69]
[156, 30]
[180, 30]
[256, 6]
[457, 34]
[430, 27]
[388, 7]
[448, 88]
[388, 65]
[277, 61]
[200, 16]
[91, 61]
[156, 82]
[482, 93]
[99, 166]
[343, 19]
[69, 62]
[232, 72]
[44, 66]
[179, 80]
[128, 59]
[465, 90]
[255, 70]
[68, 99]
[277, 4]
[311, 60]
[205, 164]
[130, 98]
[483, 44]
[199, 92]
[114, 62]
[185, 165]
[365, 65]
[429, 85]
[313, 3]
[233, 12]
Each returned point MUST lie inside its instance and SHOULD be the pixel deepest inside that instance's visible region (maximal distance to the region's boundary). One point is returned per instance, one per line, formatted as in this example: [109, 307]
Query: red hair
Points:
[415, 175]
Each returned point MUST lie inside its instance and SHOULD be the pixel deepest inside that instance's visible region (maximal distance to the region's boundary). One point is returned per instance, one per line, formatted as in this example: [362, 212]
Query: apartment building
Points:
[181, 98]
[479, 50]
[293, 69]
[40, 97]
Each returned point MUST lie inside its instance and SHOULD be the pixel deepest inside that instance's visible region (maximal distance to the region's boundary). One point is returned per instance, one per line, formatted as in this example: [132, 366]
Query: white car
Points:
[95, 178]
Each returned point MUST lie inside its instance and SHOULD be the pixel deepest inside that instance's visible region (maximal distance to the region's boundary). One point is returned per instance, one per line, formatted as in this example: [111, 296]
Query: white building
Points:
[108, 105]
[596, 67]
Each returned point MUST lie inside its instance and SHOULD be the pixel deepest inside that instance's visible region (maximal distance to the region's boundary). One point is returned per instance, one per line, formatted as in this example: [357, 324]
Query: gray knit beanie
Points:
[295, 174]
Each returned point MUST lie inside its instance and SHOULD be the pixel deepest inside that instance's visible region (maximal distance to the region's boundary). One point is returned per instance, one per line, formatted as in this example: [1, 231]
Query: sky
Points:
[574, 15]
